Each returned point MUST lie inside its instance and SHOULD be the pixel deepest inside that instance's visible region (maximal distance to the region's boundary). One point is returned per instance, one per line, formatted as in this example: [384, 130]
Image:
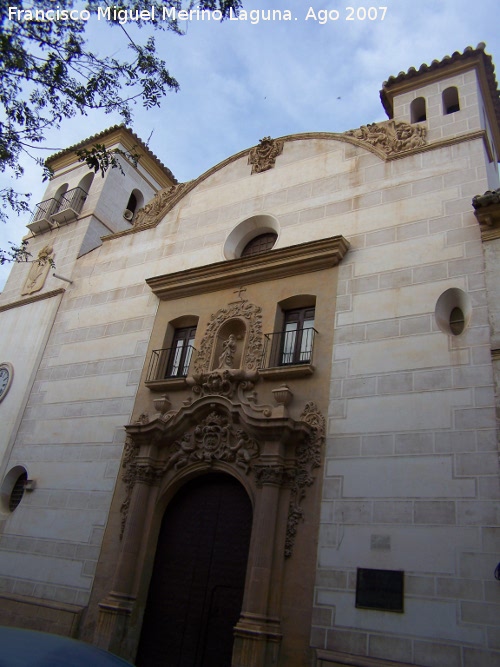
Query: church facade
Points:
[251, 420]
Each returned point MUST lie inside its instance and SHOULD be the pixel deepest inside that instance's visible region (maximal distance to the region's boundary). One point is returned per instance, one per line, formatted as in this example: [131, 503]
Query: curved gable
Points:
[385, 140]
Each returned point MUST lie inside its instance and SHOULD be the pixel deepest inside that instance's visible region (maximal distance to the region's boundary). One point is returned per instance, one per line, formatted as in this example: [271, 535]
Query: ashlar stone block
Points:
[404, 412]
[435, 512]
[401, 477]
[422, 618]
[434, 654]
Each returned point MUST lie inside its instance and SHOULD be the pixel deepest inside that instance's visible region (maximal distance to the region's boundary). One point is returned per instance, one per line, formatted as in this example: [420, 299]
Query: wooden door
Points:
[198, 578]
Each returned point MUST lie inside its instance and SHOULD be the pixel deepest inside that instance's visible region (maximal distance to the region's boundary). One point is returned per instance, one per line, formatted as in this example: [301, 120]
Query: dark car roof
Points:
[28, 648]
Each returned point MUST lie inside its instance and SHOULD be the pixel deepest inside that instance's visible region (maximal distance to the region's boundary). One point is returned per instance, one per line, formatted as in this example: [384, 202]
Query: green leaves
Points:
[48, 74]
[15, 253]
[99, 158]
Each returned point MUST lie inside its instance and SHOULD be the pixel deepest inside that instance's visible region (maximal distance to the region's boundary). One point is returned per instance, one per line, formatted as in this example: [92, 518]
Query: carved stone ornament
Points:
[490, 198]
[391, 137]
[133, 473]
[252, 315]
[487, 212]
[214, 439]
[282, 395]
[226, 359]
[162, 404]
[39, 270]
[231, 384]
[263, 156]
[217, 383]
[143, 418]
[235, 431]
[159, 206]
[308, 457]
[275, 475]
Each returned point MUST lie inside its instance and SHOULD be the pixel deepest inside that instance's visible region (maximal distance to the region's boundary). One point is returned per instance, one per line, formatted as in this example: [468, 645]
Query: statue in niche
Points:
[39, 270]
[226, 359]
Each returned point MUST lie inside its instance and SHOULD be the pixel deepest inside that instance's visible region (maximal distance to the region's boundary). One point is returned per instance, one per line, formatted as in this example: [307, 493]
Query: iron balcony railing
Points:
[44, 210]
[171, 362]
[62, 210]
[288, 348]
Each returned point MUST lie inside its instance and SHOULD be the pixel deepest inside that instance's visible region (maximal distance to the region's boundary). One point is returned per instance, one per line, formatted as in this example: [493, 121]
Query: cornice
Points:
[118, 134]
[278, 263]
[444, 143]
[32, 299]
[490, 234]
[165, 429]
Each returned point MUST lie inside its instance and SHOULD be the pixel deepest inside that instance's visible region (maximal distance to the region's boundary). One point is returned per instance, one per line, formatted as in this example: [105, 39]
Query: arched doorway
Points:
[196, 588]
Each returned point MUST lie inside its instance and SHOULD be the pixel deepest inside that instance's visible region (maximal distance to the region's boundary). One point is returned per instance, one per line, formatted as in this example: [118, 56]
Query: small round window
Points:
[17, 493]
[259, 244]
[457, 321]
[253, 236]
[453, 311]
[13, 488]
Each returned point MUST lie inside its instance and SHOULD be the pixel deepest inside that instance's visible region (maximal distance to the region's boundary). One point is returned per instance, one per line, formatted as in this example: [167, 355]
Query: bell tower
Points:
[454, 98]
[78, 209]
[108, 203]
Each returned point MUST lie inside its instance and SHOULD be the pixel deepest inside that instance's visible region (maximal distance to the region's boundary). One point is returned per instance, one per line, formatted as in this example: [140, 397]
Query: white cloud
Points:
[240, 82]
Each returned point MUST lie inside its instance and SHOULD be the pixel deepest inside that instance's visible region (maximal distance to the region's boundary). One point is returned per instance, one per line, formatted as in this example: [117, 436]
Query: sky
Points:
[242, 80]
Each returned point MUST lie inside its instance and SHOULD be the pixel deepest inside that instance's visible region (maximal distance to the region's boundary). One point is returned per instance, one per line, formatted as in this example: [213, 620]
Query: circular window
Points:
[13, 488]
[453, 311]
[259, 244]
[17, 493]
[6, 375]
[457, 321]
[261, 230]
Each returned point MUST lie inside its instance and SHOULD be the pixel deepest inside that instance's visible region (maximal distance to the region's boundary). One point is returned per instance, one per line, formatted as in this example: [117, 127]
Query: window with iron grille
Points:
[297, 336]
[259, 244]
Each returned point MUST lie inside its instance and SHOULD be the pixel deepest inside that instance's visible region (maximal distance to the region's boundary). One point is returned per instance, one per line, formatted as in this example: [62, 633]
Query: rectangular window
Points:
[297, 337]
[379, 589]
[181, 352]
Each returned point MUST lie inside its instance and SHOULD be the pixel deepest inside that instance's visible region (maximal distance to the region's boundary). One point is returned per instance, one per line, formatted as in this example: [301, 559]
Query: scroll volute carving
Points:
[229, 345]
[391, 137]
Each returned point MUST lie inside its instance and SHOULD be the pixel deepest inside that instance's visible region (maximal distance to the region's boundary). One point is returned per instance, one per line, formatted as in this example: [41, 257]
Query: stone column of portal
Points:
[117, 606]
[257, 635]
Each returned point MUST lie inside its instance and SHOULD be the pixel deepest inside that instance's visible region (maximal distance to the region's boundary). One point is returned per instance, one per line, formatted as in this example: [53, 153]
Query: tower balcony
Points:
[53, 213]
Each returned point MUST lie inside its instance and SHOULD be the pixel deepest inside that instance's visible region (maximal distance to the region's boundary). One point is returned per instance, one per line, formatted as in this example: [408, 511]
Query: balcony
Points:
[56, 212]
[288, 354]
[41, 219]
[168, 368]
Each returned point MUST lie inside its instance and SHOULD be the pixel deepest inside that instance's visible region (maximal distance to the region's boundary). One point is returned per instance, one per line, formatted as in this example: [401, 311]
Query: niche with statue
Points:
[229, 345]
